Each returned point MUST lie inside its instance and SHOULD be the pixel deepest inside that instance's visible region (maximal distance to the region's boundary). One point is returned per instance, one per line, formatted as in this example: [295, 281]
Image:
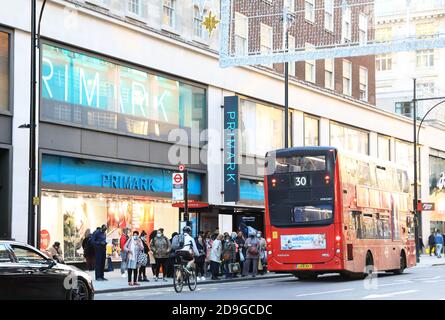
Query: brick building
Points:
[259, 28]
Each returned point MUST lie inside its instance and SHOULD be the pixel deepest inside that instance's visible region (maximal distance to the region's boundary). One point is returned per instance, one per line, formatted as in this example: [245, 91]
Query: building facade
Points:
[128, 90]
[395, 71]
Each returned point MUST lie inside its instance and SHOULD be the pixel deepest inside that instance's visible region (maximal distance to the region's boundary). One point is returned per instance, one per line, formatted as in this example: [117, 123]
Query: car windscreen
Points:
[300, 164]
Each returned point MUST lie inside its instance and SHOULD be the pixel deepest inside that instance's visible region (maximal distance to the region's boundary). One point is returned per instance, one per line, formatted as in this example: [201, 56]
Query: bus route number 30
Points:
[301, 181]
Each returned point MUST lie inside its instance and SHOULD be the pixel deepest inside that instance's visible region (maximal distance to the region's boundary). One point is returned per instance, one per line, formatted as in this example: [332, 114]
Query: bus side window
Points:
[357, 223]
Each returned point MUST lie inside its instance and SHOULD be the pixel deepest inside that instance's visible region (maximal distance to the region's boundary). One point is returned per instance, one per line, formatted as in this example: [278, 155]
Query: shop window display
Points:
[66, 217]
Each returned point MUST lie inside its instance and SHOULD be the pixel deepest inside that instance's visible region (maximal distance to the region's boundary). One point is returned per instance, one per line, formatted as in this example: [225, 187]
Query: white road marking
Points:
[324, 292]
[426, 279]
[434, 281]
[387, 295]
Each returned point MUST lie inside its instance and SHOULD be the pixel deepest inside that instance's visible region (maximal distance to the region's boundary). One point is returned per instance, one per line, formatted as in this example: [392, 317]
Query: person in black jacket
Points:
[88, 250]
[100, 248]
[200, 260]
[431, 243]
[142, 269]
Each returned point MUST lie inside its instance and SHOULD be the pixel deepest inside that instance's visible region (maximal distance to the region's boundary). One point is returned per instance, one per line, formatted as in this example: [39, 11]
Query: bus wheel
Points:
[306, 276]
[402, 263]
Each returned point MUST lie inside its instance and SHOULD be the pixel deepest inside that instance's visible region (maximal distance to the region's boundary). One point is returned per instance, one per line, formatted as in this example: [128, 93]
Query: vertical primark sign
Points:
[231, 174]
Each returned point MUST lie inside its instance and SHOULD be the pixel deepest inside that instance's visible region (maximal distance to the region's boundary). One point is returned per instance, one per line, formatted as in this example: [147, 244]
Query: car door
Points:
[39, 279]
[10, 275]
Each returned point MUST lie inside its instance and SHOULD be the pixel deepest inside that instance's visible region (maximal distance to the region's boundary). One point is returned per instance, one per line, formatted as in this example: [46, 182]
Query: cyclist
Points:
[189, 249]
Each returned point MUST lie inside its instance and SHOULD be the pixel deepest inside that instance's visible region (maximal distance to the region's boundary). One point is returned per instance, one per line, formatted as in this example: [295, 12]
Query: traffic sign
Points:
[181, 167]
[428, 206]
[178, 178]
[178, 186]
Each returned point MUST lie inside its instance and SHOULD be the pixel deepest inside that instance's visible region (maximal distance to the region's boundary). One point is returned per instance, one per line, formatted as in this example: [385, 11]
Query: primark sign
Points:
[231, 146]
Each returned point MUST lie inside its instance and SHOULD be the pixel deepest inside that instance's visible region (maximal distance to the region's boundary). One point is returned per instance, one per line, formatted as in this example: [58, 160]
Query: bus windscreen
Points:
[300, 164]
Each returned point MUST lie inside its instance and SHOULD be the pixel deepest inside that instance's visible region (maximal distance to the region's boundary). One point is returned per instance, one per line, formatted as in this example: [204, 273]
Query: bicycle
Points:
[182, 274]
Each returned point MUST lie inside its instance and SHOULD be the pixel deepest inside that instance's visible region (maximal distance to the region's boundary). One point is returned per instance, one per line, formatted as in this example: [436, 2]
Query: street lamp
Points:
[416, 131]
[33, 199]
[286, 20]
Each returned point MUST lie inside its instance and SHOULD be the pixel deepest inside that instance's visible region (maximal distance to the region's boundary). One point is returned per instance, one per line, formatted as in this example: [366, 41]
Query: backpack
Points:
[178, 242]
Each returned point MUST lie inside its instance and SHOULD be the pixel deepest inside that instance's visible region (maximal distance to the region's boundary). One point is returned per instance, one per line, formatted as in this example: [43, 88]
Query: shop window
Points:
[4, 70]
[311, 131]
[92, 92]
[262, 128]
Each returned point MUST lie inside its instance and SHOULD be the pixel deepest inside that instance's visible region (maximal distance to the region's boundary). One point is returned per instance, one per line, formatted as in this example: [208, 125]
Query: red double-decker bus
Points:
[329, 211]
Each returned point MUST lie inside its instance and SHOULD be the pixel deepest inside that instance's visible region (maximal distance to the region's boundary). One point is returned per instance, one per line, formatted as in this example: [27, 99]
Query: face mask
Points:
[158, 235]
[135, 237]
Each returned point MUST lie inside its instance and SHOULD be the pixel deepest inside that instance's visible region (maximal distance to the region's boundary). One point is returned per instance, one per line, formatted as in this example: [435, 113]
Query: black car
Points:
[27, 273]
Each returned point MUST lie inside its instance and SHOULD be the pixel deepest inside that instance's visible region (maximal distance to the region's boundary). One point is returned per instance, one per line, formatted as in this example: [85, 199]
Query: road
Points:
[416, 283]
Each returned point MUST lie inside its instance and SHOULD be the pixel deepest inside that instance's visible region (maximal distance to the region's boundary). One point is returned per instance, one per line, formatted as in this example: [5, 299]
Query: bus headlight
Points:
[337, 251]
[269, 252]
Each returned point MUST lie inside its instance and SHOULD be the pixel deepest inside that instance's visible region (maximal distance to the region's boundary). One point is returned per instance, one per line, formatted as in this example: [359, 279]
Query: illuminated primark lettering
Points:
[127, 182]
[79, 79]
[231, 172]
[230, 144]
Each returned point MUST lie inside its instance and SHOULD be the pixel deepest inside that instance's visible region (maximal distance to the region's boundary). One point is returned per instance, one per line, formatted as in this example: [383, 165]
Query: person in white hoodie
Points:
[215, 256]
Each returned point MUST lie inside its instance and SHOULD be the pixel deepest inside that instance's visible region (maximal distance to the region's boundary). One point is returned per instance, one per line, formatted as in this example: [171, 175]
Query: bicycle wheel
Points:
[178, 279]
[191, 280]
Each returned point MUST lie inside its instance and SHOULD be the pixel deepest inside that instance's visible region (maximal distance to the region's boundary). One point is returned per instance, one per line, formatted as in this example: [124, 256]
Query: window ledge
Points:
[6, 113]
[135, 17]
[202, 41]
[98, 4]
[170, 30]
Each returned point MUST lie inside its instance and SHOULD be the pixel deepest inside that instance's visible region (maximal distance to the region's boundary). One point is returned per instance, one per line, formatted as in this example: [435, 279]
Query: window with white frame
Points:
[363, 29]
[309, 65]
[346, 25]
[383, 62]
[329, 15]
[347, 77]
[329, 74]
[290, 4]
[291, 46]
[383, 34]
[425, 30]
[425, 88]
[241, 33]
[198, 28]
[425, 58]
[363, 84]
[266, 41]
[309, 10]
[134, 7]
[169, 13]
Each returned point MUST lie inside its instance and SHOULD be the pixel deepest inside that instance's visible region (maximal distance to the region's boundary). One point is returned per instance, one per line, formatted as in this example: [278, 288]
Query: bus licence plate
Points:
[304, 266]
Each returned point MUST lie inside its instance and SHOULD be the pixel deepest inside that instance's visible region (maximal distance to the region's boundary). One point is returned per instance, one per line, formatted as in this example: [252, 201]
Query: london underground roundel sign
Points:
[177, 178]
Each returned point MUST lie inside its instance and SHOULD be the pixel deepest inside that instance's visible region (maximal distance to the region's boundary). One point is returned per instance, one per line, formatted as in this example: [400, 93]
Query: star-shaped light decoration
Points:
[210, 22]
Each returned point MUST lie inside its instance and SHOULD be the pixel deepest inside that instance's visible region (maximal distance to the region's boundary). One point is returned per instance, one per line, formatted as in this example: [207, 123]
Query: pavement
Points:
[425, 281]
[117, 283]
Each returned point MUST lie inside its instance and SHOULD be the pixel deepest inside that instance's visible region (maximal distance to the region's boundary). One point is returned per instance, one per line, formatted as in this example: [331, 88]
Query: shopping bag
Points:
[234, 267]
[241, 256]
[108, 265]
[427, 251]
[260, 265]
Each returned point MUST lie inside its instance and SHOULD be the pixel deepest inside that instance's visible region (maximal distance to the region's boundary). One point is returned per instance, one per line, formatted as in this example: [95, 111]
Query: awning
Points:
[193, 204]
